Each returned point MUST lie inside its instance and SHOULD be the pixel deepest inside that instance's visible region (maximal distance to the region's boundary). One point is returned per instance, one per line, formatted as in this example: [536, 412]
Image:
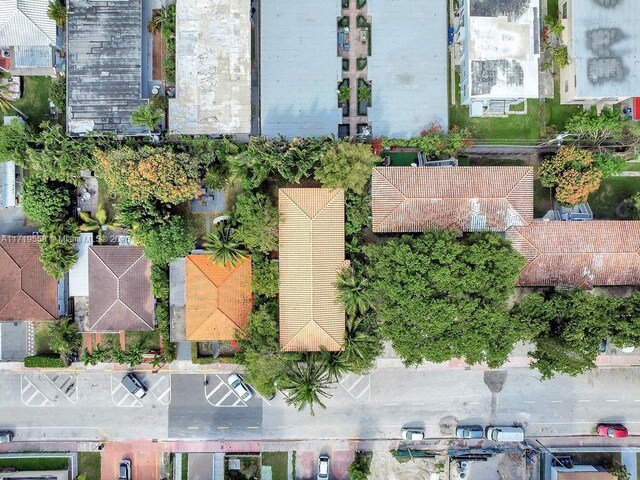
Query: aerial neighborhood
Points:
[343, 239]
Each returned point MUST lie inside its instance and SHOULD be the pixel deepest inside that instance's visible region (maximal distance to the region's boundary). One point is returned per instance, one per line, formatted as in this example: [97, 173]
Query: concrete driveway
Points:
[307, 464]
[13, 222]
[145, 456]
[16, 341]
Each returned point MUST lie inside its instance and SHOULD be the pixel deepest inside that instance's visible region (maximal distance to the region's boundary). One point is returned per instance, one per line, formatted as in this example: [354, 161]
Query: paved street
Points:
[89, 406]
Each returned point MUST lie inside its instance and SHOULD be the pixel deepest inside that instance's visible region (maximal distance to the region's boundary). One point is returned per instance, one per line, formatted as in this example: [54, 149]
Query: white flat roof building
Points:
[500, 49]
[79, 273]
[300, 68]
[408, 66]
[213, 68]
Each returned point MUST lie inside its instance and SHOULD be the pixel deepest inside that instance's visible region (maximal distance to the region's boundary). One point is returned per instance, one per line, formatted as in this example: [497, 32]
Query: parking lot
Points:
[219, 393]
[159, 391]
[358, 387]
[48, 389]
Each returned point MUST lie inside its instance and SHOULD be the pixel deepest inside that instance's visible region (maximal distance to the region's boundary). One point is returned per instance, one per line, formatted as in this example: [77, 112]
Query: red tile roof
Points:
[27, 292]
[579, 254]
[120, 293]
[219, 299]
[466, 199]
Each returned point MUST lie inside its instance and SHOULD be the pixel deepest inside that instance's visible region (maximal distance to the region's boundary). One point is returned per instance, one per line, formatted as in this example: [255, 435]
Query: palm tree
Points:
[147, 115]
[306, 384]
[57, 12]
[223, 248]
[99, 354]
[100, 223]
[134, 354]
[335, 362]
[364, 92]
[554, 23]
[360, 347]
[354, 292]
[6, 102]
[64, 337]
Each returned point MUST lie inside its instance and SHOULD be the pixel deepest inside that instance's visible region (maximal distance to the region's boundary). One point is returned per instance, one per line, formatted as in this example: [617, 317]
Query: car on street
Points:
[470, 431]
[241, 389]
[132, 383]
[6, 436]
[412, 433]
[323, 467]
[124, 470]
[613, 430]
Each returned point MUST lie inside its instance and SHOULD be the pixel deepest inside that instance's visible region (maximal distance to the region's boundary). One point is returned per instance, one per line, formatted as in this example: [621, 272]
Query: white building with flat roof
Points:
[300, 68]
[500, 49]
[213, 68]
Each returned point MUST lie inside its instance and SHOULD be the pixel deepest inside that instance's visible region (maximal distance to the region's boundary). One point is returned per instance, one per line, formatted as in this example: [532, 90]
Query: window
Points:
[566, 86]
[564, 10]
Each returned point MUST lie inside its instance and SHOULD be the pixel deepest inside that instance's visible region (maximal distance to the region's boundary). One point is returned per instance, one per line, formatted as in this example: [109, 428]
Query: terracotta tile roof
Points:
[27, 292]
[311, 252]
[120, 293]
[466, 199]
[219, 299]
[580, 254]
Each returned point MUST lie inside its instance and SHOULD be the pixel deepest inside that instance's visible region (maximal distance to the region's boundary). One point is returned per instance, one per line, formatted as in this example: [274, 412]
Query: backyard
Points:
[612, 192]
[35, 100]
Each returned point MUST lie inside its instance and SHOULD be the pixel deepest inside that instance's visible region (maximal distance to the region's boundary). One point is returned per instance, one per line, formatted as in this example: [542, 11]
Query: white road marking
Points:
[224, 398]
[417, 404]
[612, 400]
[215, 390]
[529, 401]
[391, 404]
[557, 401]
[584, 401]
[354, 384]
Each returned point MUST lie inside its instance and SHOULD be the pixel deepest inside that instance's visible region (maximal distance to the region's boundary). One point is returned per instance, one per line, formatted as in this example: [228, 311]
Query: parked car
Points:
[413, 434]
[470, 431]
[6, 436]
[132, 383]
[505, 434]
[241, 389]
[614, 430]
[124, 470]
[323, 467]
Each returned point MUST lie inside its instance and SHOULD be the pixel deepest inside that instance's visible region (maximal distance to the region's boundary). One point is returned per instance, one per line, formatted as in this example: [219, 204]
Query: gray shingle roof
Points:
[104, 74]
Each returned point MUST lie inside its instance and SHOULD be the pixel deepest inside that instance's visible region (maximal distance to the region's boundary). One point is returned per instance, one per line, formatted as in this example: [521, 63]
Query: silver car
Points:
[323, 467]
[412, 434]
[6, 436]
[241, 389]
[470, 431]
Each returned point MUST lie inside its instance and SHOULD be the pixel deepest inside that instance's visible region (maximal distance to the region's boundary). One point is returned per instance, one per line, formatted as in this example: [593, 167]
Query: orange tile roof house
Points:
[27, 292]
[120, 294]
[466, 199]
[579, 254]
[218, 299]
[311, 253]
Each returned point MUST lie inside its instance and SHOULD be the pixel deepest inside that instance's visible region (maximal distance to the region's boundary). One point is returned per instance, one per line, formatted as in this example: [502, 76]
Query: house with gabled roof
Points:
[311, 254]
[120, 291]
[465, 199]
[27, 292]
[578, 254]
[27, 37]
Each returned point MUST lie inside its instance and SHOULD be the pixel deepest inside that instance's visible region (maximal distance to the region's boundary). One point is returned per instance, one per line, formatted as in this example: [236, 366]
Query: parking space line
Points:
[26, 386]
[354, 384]
[224, 398]
[166, 392]
[215, 390]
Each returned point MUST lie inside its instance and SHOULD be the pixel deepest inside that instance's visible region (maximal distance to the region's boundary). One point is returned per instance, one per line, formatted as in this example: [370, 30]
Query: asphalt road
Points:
[369, 407]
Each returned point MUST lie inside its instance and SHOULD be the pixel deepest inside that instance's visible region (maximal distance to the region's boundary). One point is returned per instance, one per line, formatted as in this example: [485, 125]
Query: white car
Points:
[412, 434]
[323, 467]
[242, 390]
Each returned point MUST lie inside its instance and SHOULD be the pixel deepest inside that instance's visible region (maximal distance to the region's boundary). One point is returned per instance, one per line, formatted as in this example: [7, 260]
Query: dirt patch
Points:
[508, 466]
[448, 425]
[495, 380]
[385, 467]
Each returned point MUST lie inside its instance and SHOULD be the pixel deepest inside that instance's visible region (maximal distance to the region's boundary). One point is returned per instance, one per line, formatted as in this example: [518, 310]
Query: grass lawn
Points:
[611, 193]
[89, 465]
[31, 464]
[278, 461]
[558, 115]
[633, 166]
[35, 100]
[150, 340]
[42, 338]
[249, 468]
[104, 198]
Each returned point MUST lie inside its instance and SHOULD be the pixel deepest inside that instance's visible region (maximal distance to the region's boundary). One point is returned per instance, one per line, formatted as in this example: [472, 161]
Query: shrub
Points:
[58, 93]
[347, 166]
[44, 361]
[167, 241]
[361, 63]
[217, 177]
[257, 222]
[46, 202]
[160, 281]
[264, 276]
[147, 115]
[609, 163]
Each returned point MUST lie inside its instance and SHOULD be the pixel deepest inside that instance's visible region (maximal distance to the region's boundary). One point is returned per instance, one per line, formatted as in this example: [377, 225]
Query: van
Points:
[505, 434]
[134, 385]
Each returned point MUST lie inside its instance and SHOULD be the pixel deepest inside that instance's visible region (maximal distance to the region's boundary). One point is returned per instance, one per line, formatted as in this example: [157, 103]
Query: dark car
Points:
[613, 430]
[124, 470]
[470, 431]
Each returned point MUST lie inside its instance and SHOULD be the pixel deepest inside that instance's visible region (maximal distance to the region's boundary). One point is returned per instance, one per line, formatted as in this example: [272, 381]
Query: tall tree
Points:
[147, 115]
[57, 12]
[257, 219]
[346, 166]
[306, 384]
[440, 298]
[222, 245]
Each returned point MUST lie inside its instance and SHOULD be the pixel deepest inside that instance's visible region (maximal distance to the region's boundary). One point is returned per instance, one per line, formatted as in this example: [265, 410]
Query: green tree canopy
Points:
[435, 142]
[15, 139]
[46, 202]
[58, 247]
[165, 241]
[147, 115]
[566, 327]
[260, 351]
[264, 276]
[346, 166]
[440, 298]
[257, 219]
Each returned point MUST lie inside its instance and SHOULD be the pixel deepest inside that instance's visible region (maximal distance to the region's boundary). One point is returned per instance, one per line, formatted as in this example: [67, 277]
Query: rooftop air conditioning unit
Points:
[6, 53]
